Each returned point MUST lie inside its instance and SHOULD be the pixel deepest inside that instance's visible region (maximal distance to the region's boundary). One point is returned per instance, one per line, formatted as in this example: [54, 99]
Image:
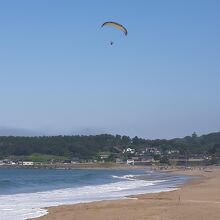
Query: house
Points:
[129, 150]
[6, 161]
[153, 150]
[27, 163]
[130, 162]
[172, 152]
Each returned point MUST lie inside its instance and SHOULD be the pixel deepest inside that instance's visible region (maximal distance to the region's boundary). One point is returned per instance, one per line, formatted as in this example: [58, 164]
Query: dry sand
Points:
[198, 200]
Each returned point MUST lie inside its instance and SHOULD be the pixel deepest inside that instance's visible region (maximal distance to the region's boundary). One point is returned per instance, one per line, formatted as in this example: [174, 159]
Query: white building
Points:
[27, 163]
[129, 150]
[153, 150]
[130, 162]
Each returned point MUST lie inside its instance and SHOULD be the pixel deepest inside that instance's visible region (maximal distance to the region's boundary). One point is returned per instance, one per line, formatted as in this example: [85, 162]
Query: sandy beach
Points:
[197, 200]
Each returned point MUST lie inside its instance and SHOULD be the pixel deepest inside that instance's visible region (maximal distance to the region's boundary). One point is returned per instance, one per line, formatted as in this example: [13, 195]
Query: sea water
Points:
[25, 193]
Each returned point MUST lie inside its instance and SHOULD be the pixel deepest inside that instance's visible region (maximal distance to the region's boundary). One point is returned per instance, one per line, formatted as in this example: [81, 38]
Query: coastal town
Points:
[109, 110]
[149, 156]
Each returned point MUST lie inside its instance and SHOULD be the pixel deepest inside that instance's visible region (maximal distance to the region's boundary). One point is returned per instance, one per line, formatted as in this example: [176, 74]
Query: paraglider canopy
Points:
[116, 25]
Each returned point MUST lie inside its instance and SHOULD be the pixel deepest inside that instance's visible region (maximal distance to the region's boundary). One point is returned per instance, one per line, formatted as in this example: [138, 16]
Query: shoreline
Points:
[77, 166]
[197, 198]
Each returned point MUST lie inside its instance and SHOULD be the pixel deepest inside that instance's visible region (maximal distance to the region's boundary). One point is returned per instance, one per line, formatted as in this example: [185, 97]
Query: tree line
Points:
[87, 147]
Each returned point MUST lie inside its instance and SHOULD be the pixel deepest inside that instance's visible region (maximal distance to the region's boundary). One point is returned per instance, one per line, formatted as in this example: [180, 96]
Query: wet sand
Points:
[197, 200]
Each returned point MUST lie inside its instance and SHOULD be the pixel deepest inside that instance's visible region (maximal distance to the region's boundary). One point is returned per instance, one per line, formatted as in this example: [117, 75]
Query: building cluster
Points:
[8, 162]
[154, 156]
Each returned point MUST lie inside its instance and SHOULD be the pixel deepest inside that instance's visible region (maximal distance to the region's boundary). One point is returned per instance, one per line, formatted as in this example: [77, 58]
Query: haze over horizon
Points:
[59, 74]
[5, 131]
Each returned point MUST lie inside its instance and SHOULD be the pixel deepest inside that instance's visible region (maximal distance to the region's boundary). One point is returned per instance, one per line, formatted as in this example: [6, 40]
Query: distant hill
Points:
[7, 131]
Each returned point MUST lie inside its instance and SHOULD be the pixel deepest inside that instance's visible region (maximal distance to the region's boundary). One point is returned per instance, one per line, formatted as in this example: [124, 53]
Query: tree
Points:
[164, 160]
[194, 135]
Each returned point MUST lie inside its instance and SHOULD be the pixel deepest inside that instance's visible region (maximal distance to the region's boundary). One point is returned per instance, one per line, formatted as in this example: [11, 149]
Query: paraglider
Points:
[116, 25]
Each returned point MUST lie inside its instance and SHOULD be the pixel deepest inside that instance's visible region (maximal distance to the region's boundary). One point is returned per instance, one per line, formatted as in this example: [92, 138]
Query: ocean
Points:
[24, 193]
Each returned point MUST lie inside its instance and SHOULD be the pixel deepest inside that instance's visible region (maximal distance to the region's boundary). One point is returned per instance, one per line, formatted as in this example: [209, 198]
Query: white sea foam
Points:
[127, 177]
[30, 205]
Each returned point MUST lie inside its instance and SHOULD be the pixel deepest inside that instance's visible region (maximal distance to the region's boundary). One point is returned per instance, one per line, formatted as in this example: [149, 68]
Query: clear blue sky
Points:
[59, 75]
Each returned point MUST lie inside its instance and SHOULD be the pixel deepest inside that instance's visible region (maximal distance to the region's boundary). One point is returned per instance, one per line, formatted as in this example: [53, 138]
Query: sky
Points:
[60, 75]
